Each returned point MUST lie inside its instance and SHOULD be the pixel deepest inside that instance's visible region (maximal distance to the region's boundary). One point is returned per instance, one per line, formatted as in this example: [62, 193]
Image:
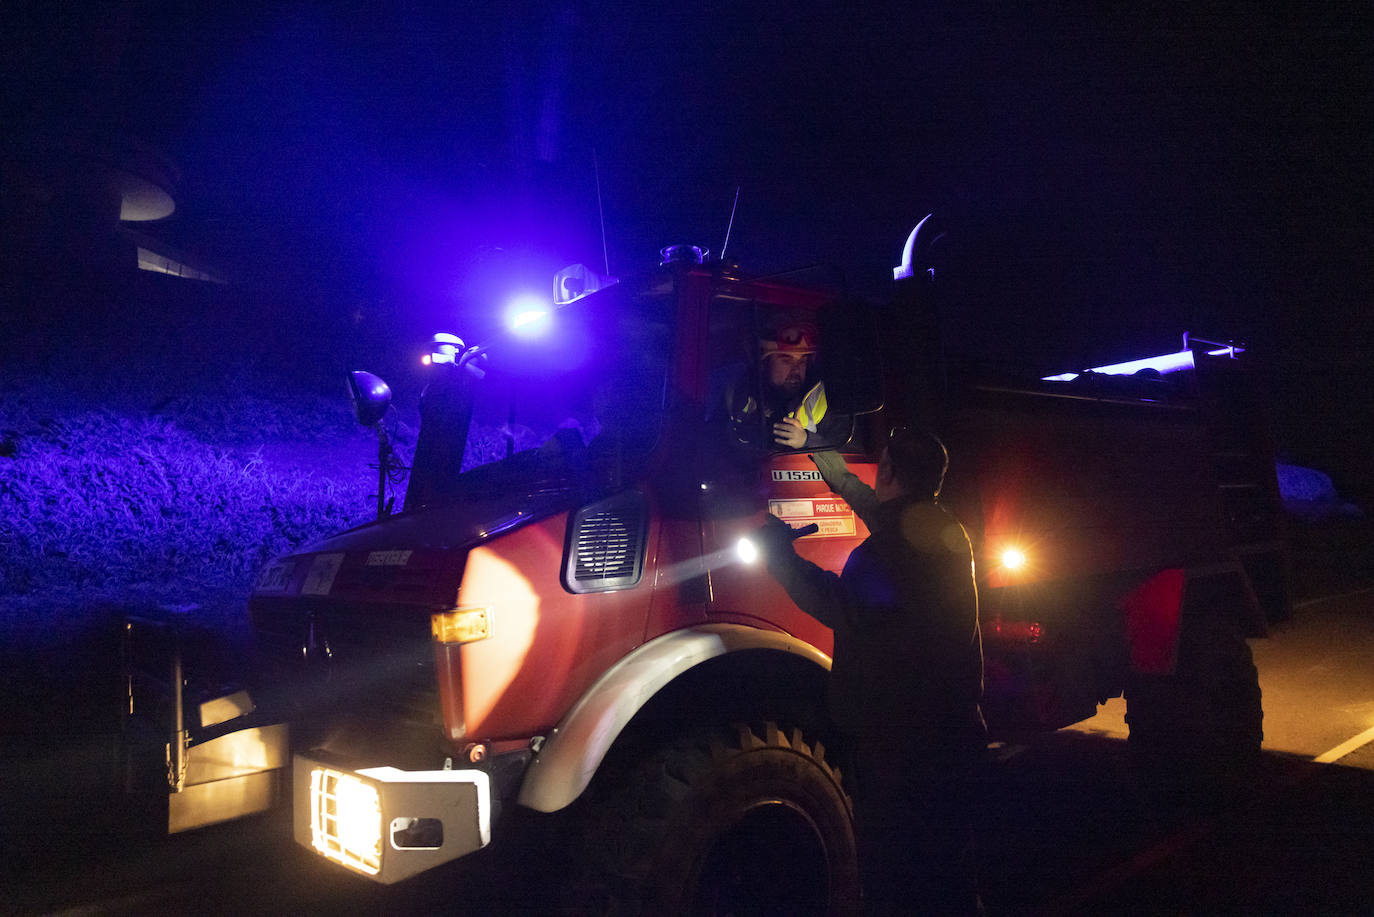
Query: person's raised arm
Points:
[860, 497]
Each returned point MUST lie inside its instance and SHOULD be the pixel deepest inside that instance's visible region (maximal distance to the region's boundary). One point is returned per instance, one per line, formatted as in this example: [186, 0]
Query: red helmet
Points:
[797, 337]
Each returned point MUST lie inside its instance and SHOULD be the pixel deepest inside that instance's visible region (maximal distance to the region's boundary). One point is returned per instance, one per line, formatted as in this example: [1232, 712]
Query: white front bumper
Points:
[388, 824]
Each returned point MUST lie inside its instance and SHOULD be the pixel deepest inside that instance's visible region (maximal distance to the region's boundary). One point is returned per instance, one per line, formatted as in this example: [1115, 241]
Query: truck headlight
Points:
[346, 819]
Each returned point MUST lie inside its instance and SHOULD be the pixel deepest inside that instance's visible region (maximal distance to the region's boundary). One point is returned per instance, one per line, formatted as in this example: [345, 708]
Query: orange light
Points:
[1013, 558]
[461, 625]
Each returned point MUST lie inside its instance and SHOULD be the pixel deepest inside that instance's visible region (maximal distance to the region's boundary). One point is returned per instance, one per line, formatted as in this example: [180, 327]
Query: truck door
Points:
[745, 477]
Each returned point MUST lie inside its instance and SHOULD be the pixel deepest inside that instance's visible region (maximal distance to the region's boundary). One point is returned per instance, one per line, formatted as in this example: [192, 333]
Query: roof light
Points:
[445, 348]
[525, 318]
[528, 314]
[683, 254]
[576, 281]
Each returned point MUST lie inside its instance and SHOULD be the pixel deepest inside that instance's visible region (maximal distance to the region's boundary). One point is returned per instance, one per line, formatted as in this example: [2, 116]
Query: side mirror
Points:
[371, 397]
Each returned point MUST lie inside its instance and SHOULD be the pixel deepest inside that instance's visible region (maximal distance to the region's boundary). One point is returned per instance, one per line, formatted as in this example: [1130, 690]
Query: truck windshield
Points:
[576, 392]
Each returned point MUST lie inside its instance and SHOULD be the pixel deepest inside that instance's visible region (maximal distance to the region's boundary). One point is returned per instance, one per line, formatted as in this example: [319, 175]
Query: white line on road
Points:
[1331, 598]
[1346, 747]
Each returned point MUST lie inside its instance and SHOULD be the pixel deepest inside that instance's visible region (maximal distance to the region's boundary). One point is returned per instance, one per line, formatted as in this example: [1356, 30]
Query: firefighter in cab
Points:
[793, 401]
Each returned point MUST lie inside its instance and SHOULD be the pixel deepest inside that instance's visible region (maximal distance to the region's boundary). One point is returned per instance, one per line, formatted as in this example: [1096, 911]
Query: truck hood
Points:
[457, 525]
[410, 558]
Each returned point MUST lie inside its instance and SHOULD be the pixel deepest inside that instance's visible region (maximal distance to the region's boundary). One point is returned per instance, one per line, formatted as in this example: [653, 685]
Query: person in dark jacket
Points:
[907, 675]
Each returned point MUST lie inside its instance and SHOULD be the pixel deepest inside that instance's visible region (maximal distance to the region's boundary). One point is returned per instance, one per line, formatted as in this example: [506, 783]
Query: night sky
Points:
[1110, 175]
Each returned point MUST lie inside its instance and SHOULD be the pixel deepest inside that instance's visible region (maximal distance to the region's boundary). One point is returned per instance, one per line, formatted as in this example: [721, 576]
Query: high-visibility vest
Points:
[812, 408]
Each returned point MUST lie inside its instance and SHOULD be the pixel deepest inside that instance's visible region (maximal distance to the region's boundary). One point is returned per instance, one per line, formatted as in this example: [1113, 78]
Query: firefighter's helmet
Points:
[796, 337]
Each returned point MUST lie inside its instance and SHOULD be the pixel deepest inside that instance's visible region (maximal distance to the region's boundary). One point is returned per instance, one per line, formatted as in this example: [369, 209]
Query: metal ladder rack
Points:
[1243, 465]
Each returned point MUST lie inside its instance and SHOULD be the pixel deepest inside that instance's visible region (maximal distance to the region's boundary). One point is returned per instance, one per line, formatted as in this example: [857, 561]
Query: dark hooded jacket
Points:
[908, 657]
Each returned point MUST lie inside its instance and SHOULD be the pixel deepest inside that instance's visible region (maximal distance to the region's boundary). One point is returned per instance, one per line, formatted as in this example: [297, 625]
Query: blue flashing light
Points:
[527, 318]
[528, 314]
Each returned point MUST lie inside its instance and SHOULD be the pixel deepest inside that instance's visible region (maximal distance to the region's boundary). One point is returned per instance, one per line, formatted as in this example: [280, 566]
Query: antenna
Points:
[731, 224]
[605, 253]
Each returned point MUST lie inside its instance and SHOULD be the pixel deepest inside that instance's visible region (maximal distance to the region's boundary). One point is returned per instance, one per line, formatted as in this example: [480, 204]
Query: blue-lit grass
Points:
[164, 500]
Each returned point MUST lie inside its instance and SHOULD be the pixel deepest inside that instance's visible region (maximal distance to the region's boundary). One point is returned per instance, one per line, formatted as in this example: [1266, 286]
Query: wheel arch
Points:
[694, 670]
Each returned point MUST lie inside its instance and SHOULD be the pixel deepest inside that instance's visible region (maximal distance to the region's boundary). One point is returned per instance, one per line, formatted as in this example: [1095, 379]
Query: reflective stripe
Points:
[811, 411]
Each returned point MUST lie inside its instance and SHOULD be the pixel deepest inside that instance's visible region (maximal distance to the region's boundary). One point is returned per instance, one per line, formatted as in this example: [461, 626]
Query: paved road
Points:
[1317, 677]
[1301, 844]
[1063, 832]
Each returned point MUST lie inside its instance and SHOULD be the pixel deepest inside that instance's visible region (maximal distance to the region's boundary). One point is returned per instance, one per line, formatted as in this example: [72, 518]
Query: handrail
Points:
[1231, 347]
[1085, 396]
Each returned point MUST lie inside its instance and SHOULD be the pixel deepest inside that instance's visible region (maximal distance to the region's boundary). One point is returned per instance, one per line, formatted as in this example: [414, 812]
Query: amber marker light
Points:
[461, 625]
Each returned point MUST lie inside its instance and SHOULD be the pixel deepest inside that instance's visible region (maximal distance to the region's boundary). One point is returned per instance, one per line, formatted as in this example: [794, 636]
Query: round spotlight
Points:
[746, 551]
[1013, 558]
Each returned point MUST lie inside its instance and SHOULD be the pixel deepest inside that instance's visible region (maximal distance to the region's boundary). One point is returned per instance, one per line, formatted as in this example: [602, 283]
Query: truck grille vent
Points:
[605, 547]
[606, 544]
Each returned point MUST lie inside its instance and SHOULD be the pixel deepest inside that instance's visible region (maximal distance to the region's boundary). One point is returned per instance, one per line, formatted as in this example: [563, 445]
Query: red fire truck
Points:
[558, 619]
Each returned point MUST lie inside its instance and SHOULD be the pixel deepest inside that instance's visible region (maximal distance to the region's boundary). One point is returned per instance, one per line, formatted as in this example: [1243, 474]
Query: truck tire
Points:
[729, 821]
[1195, 735]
